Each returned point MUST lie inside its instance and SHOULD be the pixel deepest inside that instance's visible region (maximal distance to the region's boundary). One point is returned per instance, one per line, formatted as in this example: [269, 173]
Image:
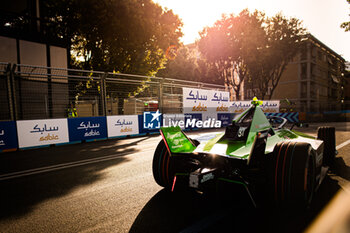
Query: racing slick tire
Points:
[162, 171]
[293, 174]
[327, 135]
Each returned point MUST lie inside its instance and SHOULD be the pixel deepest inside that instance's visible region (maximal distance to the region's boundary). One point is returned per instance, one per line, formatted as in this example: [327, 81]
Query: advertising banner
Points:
[203, 101]
[225, 118]
[42, 132]
[8, 135]
[267, 106]
[87, 128]
[195, 100]
[122, 125]
[219, 101]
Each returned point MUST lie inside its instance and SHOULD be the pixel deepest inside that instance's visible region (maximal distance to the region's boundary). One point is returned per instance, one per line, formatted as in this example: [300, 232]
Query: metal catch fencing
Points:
[35, 92]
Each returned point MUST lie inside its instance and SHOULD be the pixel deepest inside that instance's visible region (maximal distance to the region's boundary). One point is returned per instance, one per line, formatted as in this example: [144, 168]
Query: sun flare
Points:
[323, 21]
[199, 14]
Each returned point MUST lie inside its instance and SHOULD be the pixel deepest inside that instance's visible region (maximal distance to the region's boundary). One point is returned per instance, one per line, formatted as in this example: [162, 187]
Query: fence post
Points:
[9, 91]
[160, 96]
[49, 93]
[11, 86]
[103, 94]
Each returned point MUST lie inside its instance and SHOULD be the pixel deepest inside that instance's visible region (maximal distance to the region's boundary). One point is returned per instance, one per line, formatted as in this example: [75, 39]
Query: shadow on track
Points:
[172, 212]
[225, 212]
[47, 156]
[279, 220]
[341, 169]
[19, 196]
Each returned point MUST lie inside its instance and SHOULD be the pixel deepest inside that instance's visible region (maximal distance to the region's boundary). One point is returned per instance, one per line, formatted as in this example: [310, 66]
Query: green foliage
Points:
[281, 44]
[346, 25]
[207, 73]
[124, 36]
[187, 66]
[231, 44]
[251, 48]
[182, 67]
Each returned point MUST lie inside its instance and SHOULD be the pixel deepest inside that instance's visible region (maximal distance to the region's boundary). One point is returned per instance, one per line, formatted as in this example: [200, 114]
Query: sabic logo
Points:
[199, 108]
[151, 120]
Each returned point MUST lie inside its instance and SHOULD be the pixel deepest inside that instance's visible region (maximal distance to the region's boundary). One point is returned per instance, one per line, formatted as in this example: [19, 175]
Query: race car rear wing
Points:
[176, 140]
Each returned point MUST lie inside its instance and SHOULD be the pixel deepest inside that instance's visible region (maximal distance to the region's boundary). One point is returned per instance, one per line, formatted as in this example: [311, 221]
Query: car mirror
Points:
[302, 125]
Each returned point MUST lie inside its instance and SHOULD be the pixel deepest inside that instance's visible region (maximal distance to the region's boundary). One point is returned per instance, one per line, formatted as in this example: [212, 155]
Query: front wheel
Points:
[327, 135]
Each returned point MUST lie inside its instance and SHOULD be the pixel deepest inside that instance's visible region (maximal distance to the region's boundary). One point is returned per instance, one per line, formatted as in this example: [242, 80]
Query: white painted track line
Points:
[343, 144]
[60, 166]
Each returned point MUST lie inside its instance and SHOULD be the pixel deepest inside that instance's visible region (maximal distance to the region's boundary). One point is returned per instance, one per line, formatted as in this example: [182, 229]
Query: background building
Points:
[347, 85]
[314, 80]
[26, 39]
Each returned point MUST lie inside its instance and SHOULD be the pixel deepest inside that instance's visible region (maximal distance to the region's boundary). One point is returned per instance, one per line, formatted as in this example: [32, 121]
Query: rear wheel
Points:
[327, 135]
[293, 174]
[162, 171]
[165, 166]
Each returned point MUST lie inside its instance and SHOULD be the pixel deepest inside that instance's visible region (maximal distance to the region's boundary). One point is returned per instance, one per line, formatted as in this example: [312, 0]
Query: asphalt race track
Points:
[108, 186]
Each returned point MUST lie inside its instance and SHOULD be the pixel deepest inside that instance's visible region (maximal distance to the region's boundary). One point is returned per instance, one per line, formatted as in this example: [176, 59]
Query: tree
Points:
[230, 44]
[207, 73]
[187, 66]
[115, 35]
[125, 36]
[251, 48]
[282, 43]
[181, 67]
[346, 25]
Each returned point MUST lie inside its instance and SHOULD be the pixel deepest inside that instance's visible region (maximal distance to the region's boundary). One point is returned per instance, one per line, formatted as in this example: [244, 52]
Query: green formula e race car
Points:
[271, 163]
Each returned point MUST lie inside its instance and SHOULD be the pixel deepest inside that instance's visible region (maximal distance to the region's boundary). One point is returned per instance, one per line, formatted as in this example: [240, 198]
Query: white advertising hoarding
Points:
[122, 125]
[42, 132]
[219, 101]
[267, 106]
[201, 101]
[209, 115]
[195, 100]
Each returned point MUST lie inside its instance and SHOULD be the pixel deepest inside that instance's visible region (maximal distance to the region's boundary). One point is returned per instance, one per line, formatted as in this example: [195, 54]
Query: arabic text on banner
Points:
[87, 128]
[122, 125]
[218, 101]
[195, 100]
[42, 132]
[204, 101]
[267, 106]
